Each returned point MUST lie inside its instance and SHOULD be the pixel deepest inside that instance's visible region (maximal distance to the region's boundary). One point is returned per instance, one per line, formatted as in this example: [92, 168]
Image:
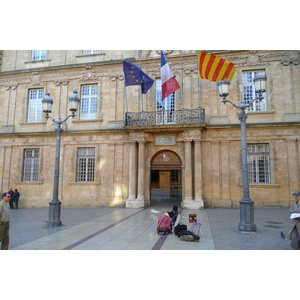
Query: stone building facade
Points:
[123, 147]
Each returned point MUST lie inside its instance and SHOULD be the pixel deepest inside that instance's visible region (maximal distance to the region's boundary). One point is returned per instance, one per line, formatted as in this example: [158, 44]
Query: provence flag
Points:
[214, 68]
[135, 76]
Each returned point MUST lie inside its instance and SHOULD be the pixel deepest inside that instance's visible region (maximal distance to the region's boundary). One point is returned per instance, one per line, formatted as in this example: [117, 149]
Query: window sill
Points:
[34, 123]
[86, 121]
[258, 112]
[262, 185]
[84, 183]
[94, 54]
[36, 61]
[28, 182]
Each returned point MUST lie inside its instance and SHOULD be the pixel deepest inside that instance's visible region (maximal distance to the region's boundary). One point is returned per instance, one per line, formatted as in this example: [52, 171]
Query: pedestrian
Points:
[4, 221]
[10, 201]
[164, 223]
[294, 233]
[15, 199]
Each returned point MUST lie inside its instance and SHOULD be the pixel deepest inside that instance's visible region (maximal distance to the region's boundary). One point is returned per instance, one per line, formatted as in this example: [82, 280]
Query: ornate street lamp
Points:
[246, 204]
[55, 204]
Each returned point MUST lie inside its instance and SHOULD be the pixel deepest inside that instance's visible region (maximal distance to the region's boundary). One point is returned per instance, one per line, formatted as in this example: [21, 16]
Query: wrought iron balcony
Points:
[165, 117]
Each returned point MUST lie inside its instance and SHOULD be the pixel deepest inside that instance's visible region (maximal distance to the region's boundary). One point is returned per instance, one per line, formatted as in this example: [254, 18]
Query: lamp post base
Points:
[54, 214]
[247, 216]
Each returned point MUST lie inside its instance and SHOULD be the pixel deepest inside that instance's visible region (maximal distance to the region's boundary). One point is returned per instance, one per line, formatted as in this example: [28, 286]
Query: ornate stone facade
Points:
[209, 151]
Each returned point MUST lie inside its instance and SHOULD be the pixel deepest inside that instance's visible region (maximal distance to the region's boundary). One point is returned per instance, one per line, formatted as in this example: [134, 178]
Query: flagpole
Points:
[162, 100]
[143, 113]
[199, 103]
[182, 91]
[125, 94]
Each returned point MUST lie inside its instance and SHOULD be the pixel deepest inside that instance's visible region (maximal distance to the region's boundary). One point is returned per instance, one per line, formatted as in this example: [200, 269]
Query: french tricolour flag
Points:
[168, 80]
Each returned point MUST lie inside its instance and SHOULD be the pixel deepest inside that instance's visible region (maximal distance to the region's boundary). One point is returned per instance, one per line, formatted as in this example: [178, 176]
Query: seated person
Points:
[164, 223]
[175, 214]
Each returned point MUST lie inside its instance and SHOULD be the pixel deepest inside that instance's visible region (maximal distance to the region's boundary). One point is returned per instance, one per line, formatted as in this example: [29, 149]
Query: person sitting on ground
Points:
[175, 214]
[164, 223]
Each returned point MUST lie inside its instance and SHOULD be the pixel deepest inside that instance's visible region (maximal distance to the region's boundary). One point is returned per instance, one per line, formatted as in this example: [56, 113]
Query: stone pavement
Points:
[103, 228]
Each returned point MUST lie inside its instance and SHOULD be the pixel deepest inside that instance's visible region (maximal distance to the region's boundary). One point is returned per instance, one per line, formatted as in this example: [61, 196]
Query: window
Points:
[258, 157]
[30, 166]
[249, 91]
[35, 109]
[88, 52]
[38, 55]
[85, 164]
[165, 108]
[89, 101]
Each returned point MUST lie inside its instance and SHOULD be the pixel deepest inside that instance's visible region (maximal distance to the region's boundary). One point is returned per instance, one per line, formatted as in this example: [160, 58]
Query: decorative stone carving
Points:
[13, 87]
[59, 82]
[188, 71]
[253, 58]
[89, 75]
[164, 51]
[293, 61]
[115, 77]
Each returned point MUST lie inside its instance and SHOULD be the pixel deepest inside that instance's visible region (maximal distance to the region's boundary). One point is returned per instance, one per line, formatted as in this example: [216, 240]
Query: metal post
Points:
[55, 204]
[246, 204]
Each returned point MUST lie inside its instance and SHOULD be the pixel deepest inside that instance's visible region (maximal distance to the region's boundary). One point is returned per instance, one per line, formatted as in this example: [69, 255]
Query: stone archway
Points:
[166, 177]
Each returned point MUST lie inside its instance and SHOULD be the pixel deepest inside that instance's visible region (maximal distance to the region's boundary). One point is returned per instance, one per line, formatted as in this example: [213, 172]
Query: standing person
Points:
[294, 233]
[164, 223]
[10, 192]
[4, 221]
[15, 199]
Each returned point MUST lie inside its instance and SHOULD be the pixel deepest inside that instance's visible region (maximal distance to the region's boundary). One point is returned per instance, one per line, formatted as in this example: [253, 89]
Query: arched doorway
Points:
[166, 177]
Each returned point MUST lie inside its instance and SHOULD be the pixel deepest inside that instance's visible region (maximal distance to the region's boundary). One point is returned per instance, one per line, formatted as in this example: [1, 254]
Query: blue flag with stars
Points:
[135, 76]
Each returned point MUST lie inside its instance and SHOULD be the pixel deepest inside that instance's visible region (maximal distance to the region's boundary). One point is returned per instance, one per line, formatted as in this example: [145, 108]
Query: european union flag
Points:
[135, 76]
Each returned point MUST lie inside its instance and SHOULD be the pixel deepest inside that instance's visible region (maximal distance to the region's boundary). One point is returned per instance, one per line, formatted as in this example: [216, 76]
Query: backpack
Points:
[179, 228]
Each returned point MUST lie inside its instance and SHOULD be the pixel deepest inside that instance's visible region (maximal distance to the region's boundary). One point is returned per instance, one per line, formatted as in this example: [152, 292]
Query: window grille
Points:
[249, 92]
[89, 52]
[165, 109]
[38, 55]
[89, 102]
[30, 165]
[85, 164]
[35, 109]
[258, 157]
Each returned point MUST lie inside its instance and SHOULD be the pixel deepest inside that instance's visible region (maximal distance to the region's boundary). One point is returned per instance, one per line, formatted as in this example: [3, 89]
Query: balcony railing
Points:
[165, 117]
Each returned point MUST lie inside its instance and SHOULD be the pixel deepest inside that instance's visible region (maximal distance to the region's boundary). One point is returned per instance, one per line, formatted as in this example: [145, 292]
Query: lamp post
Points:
[246, 204]
[55, 204]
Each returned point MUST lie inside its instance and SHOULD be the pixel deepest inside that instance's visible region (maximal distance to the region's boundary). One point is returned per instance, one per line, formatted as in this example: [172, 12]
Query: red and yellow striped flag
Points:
[214, 68]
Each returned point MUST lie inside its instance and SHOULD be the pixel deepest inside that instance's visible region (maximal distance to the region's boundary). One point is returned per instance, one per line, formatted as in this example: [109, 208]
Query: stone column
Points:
[198, 201]
[292, 170]
[225, 174]
[130, 202]
[141, 175]
[188, 198]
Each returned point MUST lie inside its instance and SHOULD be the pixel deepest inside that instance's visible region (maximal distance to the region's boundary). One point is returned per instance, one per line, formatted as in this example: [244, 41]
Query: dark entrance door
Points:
[166, 177]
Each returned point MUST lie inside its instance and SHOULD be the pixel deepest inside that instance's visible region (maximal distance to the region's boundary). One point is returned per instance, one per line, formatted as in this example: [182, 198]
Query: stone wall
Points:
[214, 147]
